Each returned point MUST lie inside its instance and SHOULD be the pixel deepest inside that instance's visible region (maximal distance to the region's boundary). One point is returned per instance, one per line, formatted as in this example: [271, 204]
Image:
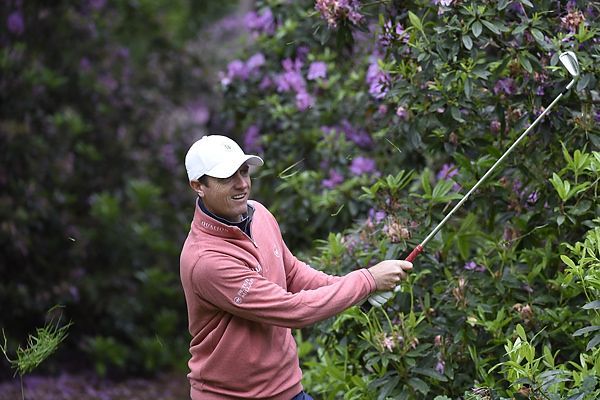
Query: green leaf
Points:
[415, 21]
[537, 34]
[476, 28]
[456, 114]
[467, 42]
[430, 372]
[525, 63]
[584, 81]
[521, 332]
[567, 261]
[490, 26]
[419, 385]
[585, 330]
[502, 4]
[593, 343]
[594, 305]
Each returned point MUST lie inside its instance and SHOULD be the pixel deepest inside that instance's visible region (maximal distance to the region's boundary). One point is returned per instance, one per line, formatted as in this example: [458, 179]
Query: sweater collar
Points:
[215, 225]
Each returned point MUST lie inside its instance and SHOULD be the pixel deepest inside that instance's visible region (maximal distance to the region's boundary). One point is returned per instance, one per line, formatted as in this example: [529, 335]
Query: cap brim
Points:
[228, 167]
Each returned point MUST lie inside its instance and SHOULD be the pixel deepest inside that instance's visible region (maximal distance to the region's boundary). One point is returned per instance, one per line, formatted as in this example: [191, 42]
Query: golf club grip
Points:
[413, 254]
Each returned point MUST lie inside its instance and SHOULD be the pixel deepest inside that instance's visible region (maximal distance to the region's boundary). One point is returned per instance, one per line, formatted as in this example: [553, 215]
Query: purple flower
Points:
[252, 140]
[265, 83]
[506, 85]
[402, 113]
[597, 116]
[495, 126]
[198, 112]
[304, 101]
[261, 22]
[168, 157]
[377, 215]
[391, 33]
[317, 69]
[447, 171]
[255, 62]
[539, 91]
[362, 165]
[15, 23]
[517, 7]
[97, 4]
[517, 186]
[335, 10]
[440, 367]
[335, 178]
[291, 78]
[358, 136]
[377, 80]
[237, 69]
[472, 266]
[85, 64]
[533, 197]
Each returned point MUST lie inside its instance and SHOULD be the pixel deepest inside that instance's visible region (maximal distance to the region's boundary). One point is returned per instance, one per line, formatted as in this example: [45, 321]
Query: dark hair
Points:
[203, 180]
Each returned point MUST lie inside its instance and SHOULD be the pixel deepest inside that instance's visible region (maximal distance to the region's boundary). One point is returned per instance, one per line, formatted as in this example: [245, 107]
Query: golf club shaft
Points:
[417, 250]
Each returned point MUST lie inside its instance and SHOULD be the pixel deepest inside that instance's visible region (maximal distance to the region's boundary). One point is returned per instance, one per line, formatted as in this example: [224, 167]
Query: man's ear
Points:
[197, 187]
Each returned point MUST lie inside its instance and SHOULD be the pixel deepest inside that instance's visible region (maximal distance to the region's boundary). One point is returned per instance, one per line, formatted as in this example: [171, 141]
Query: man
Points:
[245, 290]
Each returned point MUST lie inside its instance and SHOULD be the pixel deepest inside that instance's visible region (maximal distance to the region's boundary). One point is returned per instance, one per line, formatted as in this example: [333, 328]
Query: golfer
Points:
[245, 290]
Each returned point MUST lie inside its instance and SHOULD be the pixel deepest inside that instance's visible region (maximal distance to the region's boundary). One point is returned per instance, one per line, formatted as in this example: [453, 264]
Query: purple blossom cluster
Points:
[241, 70]
[335, 178]
[292, 80]
[377, 80]
[252, 139]
[363, 165]
[261, 22]
[447, 172]
[317, 70]
[15, 23]
[393, 33]
[505, 86]
[473, 266]
[524, 195]
[359, 136]
[335, 11]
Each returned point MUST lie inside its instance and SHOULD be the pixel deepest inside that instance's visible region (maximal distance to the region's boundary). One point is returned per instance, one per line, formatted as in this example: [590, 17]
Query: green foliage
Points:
[100, 101]
[440, 89]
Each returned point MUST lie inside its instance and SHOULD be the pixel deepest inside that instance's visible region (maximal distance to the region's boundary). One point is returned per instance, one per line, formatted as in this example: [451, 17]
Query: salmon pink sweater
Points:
[243, 295]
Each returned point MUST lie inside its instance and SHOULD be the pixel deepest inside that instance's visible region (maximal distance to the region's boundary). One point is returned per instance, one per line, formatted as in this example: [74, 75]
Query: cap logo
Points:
[227, 147]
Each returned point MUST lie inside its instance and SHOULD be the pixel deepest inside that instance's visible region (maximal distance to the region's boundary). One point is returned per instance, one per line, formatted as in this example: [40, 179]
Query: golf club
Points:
[569, 61]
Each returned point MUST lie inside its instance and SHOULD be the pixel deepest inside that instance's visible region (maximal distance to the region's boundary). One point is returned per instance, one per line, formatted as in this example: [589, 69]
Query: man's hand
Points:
[387, 275]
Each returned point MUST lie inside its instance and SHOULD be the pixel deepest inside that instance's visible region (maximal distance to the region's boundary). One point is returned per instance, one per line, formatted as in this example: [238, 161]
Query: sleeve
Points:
[234, 288]
[300, 276]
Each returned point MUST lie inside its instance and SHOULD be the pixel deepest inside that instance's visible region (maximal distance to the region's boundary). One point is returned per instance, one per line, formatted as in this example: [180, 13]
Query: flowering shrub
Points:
[409, 105]
[99, 103]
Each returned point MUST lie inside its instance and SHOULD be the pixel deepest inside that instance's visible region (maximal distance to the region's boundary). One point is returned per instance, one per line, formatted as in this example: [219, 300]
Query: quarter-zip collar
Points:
[215, 225]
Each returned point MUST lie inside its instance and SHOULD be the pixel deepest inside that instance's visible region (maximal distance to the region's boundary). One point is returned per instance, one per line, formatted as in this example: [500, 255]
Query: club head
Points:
[569, 60]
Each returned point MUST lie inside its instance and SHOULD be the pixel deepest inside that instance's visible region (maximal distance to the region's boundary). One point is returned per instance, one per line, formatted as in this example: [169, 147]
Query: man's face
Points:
[227, 197]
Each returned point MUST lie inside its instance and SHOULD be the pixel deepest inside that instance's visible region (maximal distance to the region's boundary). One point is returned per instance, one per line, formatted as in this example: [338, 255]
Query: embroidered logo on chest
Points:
[276, 252]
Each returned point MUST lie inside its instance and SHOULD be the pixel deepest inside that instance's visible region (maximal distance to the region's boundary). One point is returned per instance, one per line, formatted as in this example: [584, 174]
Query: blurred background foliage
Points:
[100, 101]
[372, 118]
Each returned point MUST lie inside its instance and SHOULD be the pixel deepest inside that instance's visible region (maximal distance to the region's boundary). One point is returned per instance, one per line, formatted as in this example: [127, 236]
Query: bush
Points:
[100, 101]
[375, 117]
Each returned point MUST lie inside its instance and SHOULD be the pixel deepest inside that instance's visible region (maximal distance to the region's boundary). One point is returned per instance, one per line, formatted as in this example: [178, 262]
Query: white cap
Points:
[216, 156]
